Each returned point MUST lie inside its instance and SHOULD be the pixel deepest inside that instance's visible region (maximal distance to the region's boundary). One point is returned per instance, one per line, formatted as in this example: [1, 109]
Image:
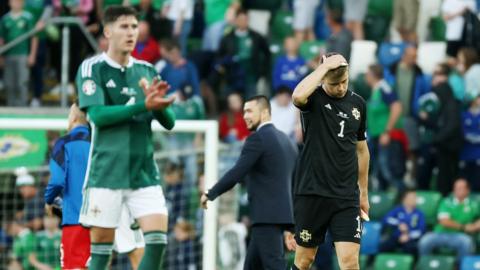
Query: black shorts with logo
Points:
[314, 215]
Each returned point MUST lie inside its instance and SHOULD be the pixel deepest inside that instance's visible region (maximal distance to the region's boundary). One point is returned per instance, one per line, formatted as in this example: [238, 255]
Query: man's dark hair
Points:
[170, 44]
[376, 70]
[283, 89]
[112, 13]
[241, 11]
[262, 101]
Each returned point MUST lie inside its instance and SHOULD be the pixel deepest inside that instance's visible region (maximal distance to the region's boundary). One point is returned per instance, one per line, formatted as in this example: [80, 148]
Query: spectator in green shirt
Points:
[20, 58]
[23, 245]
[384, 120]
[458, 219]
[46, 254]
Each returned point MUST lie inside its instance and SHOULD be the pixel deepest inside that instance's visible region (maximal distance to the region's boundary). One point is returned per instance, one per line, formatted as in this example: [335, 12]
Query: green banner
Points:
[22, 148]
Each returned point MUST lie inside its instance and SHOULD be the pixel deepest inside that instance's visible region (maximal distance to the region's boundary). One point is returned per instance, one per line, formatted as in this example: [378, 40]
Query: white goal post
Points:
[208, 127]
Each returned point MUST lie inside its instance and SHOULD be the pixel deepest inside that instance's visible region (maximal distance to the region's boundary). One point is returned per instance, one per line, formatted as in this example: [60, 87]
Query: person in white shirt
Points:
[452, 12]
[180, 14]
[285, 116]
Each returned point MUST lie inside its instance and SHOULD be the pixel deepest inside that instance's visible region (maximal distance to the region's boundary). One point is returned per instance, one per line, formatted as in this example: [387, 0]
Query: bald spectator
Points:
[146, 48]
[458, 218]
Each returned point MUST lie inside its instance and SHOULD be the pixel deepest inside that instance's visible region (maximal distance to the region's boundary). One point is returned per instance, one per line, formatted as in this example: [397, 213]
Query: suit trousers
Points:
[266, 249]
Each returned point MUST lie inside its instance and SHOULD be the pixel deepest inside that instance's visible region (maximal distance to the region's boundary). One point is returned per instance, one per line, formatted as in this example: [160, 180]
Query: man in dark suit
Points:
[268, 158]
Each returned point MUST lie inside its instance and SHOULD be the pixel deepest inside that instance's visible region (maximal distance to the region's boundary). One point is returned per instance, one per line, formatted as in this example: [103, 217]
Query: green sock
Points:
[155, 242]
[100, 255]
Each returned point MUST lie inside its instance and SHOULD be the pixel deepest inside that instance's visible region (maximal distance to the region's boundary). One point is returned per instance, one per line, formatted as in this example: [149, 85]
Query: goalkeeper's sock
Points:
[100, 255]
[155, 243]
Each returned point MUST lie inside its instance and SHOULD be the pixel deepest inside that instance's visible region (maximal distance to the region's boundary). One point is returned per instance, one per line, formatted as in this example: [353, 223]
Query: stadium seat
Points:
[376, 28]
[427, 202]
[311, 49]
[383, 8]
[258, 21]
[385, 261]
[389, 53]
[431, 262]
[430, 54]
[437, 29]
[362, 55]
[370, 238]
[470, 263]
[282, 26]
[276, 49]
[380, 204]
[363, 262]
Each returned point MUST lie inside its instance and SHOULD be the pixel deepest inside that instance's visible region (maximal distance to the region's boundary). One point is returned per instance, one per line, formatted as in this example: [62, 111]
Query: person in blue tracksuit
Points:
[68, 164]
[406, 224]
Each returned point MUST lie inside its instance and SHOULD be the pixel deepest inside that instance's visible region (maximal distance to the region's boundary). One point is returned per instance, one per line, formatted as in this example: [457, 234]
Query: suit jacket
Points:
[268, 158]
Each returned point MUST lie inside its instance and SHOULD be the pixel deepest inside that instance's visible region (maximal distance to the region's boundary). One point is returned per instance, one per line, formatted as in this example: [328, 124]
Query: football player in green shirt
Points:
[121, 96]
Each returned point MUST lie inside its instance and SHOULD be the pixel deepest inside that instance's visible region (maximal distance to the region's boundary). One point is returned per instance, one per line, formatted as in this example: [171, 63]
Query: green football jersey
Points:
[121, 154]
[13, 26]
[47, 248]
[23, 245]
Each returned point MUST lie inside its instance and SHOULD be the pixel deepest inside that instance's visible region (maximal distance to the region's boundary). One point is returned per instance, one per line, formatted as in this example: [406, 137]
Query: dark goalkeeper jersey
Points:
[328, 164]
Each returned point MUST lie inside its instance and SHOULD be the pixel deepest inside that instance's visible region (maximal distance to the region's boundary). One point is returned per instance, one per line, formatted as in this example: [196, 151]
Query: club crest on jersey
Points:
[356, 113]
[89, 87]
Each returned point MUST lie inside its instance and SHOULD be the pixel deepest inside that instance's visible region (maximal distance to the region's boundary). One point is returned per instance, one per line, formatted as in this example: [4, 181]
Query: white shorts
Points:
[126, 239]
[102, 207]
[304, 14]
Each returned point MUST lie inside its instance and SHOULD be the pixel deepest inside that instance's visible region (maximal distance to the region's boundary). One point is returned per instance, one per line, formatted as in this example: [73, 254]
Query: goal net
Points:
[187, 157]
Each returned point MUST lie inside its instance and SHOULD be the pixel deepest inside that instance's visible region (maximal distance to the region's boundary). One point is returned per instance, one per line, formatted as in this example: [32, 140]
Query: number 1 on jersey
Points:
[342, 127]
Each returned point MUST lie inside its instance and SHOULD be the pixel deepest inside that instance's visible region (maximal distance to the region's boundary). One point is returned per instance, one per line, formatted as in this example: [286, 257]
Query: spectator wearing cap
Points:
[177, 70]
[146, 48]
[290, 68]
[33, 209]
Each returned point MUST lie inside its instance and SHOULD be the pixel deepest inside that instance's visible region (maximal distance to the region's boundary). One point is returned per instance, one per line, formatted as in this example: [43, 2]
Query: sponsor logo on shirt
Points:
[111, 84]
[328, 106]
